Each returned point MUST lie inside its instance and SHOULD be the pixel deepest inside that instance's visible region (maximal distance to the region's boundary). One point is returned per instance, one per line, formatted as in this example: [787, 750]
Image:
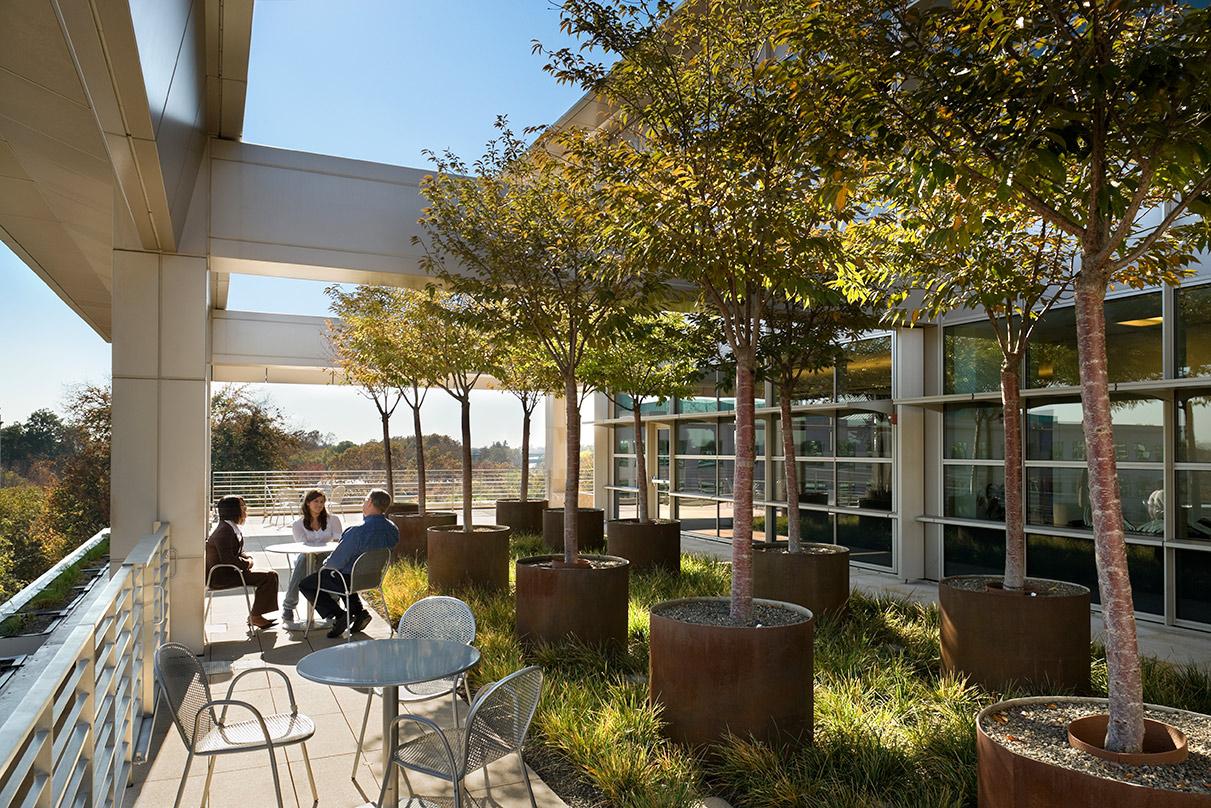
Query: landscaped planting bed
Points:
[890, 729]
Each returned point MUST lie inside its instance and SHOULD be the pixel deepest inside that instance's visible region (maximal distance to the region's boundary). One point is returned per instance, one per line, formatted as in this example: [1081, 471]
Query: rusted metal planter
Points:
[589, 603]
[399, 508]
[709, 679]
[523, 517]
[413, 528]
[1000, 639]
[590, 529]
[1010, 779]
[647, 545]
[816, 578]
[460, 560]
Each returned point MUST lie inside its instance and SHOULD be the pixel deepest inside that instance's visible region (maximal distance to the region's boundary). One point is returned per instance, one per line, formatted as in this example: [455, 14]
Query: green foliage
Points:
[29, 544]
[248, 433]
[41, 439]
[891, 730]
[653, 357]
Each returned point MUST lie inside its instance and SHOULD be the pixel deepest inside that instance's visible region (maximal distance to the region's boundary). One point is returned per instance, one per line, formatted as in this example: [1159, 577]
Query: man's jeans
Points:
[296, 577]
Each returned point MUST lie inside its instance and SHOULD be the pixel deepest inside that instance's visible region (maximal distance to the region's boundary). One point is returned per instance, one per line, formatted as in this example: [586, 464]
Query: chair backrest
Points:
[336, 501]
[437, 617]
[183, 684]
[500, 717]
[368, 569]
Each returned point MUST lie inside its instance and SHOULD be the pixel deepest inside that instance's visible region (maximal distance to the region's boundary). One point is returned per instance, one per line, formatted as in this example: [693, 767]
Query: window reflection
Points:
[1070, 559]
[624, 505]
[867, 537]
[863, 434]
[1133, 343]
[864, 485]
[696, 438]
[814, 526]
[1193, 585]
[1054, 431]
[973, 551]
[1194, 505]
[624, 471]
[623, 404]
[813, 436]
[727, 475]
[813, 387]
[704, 398]
[696, 476]
[699, 515]
[624, 440]
[865, 371]
[973, 432]
[971, 358]
[1060, 497]
[815, 482]
[1194, 331]
[1194, 429]
[727, 437]
[974, 492]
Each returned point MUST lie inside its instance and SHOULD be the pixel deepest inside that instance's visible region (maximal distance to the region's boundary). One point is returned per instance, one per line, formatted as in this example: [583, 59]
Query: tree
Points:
[1093, 116]
[801, 338]
[466, 352]
[42, 436]
[522, 241]
[414, 366]
[526, 373]
[79, 502]
[365, 339]
[712, 172]
[652, 358]
[248, 433]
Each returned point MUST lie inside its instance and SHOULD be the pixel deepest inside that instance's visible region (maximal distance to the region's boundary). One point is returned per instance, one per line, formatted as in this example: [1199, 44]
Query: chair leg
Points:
[454, 703]
[273, 767]
[184, 775]
[382, 792]
[315, 795]
[209, 775]
[361, 737]
[525, 773]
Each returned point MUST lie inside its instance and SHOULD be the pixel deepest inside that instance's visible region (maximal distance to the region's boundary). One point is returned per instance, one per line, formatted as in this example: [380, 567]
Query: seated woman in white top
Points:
[317, 527]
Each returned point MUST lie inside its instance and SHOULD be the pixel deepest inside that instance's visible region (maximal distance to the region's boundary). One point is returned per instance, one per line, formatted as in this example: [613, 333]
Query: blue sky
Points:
[376, 81]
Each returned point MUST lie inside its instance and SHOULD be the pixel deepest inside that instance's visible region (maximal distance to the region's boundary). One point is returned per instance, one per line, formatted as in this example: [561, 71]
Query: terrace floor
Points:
[245, 779]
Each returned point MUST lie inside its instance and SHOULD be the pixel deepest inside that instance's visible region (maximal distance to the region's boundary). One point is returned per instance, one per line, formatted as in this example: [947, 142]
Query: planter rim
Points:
[1084, 590]
[475, 529]
[422, 515]
[1094, 702]
[1168, 757]
[637, 523]
[525, 501]
[579, 510]
[793, 607]
[536, 561]
[782, 549]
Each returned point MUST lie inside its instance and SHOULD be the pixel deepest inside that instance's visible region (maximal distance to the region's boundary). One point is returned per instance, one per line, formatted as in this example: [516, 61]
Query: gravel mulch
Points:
[1040, 731]
[718, 613]
[556, 562]
[568, 782]
[1035, 587]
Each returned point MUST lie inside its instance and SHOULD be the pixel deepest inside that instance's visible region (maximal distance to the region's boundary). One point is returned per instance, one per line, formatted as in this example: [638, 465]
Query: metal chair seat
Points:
[283, 729]
[426, 753]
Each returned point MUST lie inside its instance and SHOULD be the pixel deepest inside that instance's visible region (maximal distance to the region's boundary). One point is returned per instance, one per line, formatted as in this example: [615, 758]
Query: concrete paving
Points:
[1171, 644]
[245, 779]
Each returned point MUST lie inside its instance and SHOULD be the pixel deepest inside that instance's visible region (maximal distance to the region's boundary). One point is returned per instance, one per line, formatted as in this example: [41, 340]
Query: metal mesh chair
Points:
[183, 685]
[210, 590]
[436, 617]
[367, 573]
[496, 726]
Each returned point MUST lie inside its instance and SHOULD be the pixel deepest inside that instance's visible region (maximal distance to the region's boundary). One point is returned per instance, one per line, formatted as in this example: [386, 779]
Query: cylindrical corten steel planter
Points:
[413, 532]
[590, 529]
[397, 508]
[458, 559]
[1039, 638]
[816, 577]
[523, 517]
[751, 680]
[1011, 778]
[590, 602]
[647, 545]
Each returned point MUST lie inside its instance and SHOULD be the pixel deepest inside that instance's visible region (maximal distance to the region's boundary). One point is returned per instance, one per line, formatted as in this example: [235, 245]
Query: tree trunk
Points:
[571, 486]
[641, 465]
[1126, 730]
[792, 471]
[465, 407]
[1015, 528]
[386, 417]
[525, 452]
[742, 493]
[420, 461]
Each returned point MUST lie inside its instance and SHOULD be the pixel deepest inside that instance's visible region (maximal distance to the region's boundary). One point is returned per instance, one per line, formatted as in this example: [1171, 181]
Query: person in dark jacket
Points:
[375, 532]
[226, 546]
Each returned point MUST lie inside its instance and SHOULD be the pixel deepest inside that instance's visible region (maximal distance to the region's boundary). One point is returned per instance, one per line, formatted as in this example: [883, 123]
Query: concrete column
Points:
[909, 453]
[555, 458]
[160, 466]
[603, 455]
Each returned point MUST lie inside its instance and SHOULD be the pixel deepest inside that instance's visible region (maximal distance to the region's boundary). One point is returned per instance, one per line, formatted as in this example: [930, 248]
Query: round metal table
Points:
[388, 664]
[313, 552]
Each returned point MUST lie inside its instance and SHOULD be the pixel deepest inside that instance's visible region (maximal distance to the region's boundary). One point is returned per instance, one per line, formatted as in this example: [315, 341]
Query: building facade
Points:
[900, 452]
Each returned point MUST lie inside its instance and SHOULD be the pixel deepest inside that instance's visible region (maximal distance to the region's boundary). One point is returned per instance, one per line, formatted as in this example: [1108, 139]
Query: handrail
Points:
[72, 717]
[35, 587]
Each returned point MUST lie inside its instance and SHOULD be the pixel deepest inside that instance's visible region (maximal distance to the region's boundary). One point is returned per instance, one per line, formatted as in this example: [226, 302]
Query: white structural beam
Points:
[299, 215]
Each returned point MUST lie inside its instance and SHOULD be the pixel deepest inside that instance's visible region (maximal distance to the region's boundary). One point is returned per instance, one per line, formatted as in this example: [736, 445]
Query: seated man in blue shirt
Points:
[376, 531]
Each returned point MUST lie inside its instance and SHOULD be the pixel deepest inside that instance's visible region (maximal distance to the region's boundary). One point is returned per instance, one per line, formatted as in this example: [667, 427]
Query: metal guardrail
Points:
[70, 736]
[268, 492]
